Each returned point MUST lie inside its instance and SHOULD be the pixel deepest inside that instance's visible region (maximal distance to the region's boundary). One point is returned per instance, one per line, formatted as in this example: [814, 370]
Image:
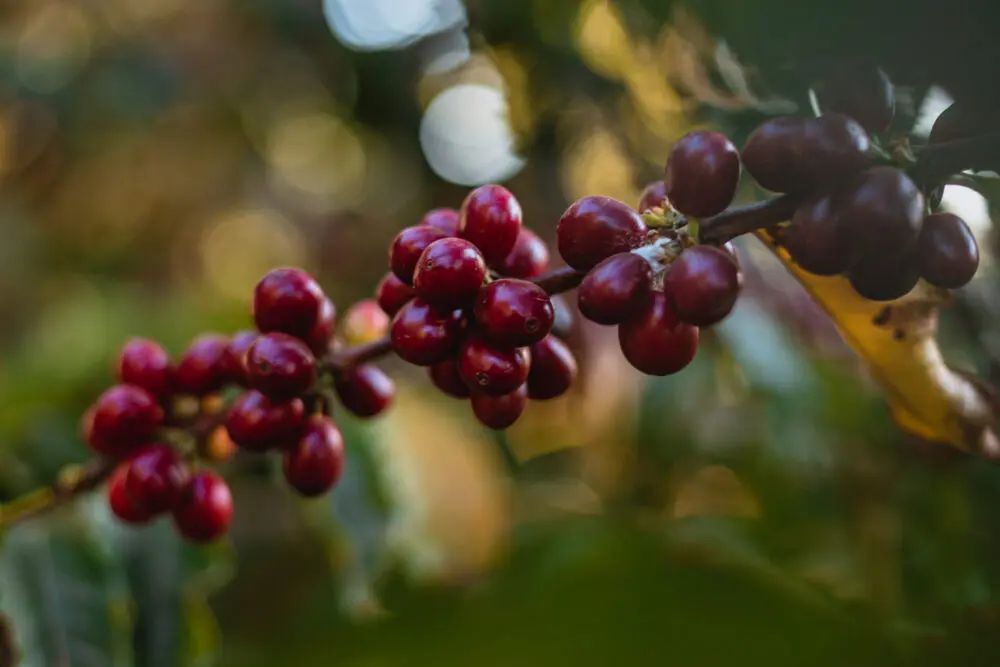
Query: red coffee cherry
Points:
[594, 228]
[445, 219]
[256, 423]
[528, 259]
[881, 278]
[280, 366]
[205, 508]
[119, 502]
[653, 196]
[655, 341]
[201, 368]
[154, 478]
[287, 300]
[947, 254]
[818, 238]
[318, 338]
[234, 358]
[490, 218]
[123, 418]
[883, 209]
[614, 289]
[423, 334]
[144, 363]
[392, 294]
[702, 285]
[489, 369]
[862, 92]
[406, 248]
[313, 464]
[512, 312]
[499, 412]
[702, 173]
[365, 390]
[446, 378]
[553, 369]
[449, 273]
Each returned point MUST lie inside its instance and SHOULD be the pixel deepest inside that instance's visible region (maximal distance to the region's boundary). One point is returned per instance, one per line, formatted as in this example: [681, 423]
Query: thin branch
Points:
[744, 219]
[71, 483]
[936, 162]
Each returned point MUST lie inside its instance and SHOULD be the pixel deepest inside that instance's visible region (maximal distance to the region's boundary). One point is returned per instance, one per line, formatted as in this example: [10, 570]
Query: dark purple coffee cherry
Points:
[489, 369]
[883, 210]
[702, 173]
[655, 341]
[702, 285]
[513, 313]
[449, 273]
[818, 238]
[862, 92]
[884, 278]
[614, 289]
[423, 334]
[490, 218]
[594, 228]
[365, 390]
[280, 366]
[499, 412]
[946, 251]
[553, 369]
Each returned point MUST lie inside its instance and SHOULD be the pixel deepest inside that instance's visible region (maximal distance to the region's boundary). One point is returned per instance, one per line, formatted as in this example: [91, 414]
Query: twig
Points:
[72, 482]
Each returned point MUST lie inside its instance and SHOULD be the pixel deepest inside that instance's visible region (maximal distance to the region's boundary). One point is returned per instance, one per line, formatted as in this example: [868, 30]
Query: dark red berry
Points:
[655, 341]
[392, 293]
[818, 238]
[553, 369]
[614, 289]
[365, 390]
[449, 273]
[423, 334]
[702, 173]
[593, 228]
[489, 369]
[287, 300]
[234, 359]
[946, 251]
[883, 209]
[445, 219]
[257, 423]
[514, 312]
[314, 463]
[119, 501]
[406, 248]
[653, 196]
[124, 417]
[862, 92]
[201, 369]
[499, 412]
[446, 378]
[884, 278]
[144, 363]
[280, 366]
[205, 508]
[702, 285]
[528, 259]
[491, 219]
[318, 338]
[154, 478]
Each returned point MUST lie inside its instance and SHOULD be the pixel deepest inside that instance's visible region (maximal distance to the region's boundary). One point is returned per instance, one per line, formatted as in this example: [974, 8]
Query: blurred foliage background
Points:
[759, 508]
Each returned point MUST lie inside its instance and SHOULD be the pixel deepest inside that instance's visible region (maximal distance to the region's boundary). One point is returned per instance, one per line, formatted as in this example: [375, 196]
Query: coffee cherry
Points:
[154, 478]
[446, 378]
[392, 293]
[124, 417]
[406, 248]
[512, 312]
[499, 412]
[280, 366]
[364, 322]
[445, 219]
[488, 369]
[201, 370]
[234, 359]
[615, 288]
[205, 508]
[655, 341]
[702, 173]
[313, 464]
[364, 390]
[593, 228]
[490, 218]
[553, 369]
[528, 259]
[423, 334]
[862, 92]
[946, 251]
[256, 423]
[287, 300]
[144, 363]
[884, 209]
[702, 285]
[318, 338]
[120, 503]
[884, 278]
[791, 154]
[818, 238]
[653, 196]
[449, 273]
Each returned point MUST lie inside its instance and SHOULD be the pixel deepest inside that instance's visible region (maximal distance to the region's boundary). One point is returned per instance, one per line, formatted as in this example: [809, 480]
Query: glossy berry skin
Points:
[154, 478]
[318, 338]
[365, 390]
[256, 423]
[702, 285]
[655, 341]
[445, 219]
[314, 463]
[703, 170]
[818, 238]
[144, 363]
[884, 209]
[863, 93]
[490, 219]
[287, 300]
[406, 248]
[499, 412]
[594, 228]
[201, 368]
[793, 154]
[946, 251]
[514, 312]
[205, 508]
[488, 369]
[553, 369]
[423, 334]
[615, 288]
[124, 417]
[446, 378]
[392, 294]
[364, 322]
[120, 503]
[528, 259]
[882, 278]
[280, 366]
[234, 358]
[653, 196]
[449, 273]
